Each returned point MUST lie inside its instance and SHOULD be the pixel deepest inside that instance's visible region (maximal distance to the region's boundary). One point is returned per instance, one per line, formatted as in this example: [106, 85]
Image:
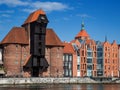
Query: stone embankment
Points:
[48, 80]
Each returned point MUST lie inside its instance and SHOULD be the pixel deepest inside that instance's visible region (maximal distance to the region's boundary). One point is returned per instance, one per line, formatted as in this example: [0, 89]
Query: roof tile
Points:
[82, 33]
[68, 48]
[16, 35]
[52, 39]
[34, 16]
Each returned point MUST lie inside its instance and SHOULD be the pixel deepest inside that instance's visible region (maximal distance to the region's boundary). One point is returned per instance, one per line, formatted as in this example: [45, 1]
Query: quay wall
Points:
[48, 81]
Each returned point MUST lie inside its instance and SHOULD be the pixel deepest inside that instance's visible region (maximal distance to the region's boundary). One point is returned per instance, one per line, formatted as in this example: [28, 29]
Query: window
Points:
[78, 59]
[70, 72]
[99, 66]
[66, 72]
[89, 54]
[78, 67]
[105, 48]
[89, 60]
[16, 45]
[70, 65]
[66, 64]
[66, 57]
[116, 55]
[99, 49]
[105, 60]
[99, 61]
[70, 58]
[99, 54]
[82, 53]
[89, 67]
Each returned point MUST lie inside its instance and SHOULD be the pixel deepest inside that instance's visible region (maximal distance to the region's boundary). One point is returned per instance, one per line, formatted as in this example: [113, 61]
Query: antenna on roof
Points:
[106, 38]
[82, 25]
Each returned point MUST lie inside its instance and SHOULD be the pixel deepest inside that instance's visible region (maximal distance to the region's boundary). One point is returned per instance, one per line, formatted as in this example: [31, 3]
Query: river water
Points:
[62, 87]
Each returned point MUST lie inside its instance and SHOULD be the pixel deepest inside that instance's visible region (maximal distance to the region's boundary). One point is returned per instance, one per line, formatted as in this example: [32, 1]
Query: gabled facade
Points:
[93, 58]
[111, 59]
[69, 59]
[85, 59]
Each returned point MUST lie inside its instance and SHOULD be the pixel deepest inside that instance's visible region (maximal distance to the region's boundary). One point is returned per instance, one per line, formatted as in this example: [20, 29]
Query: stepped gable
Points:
[52, 39]
[68, 48]
[114, 42]
[34, 16]
[17, 35]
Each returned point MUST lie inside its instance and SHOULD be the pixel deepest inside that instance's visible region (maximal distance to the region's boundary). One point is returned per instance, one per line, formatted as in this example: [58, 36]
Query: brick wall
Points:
[54, 56]
[14, 56]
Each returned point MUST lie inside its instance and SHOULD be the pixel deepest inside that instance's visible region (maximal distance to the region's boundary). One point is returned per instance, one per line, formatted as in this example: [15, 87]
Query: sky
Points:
[101, 17]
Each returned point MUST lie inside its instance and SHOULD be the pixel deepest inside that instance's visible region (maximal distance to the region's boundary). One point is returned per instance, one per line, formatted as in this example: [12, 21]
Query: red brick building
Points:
[111, 60]
[83, 52]
[91, 58]
[81, 57]
[17, 55]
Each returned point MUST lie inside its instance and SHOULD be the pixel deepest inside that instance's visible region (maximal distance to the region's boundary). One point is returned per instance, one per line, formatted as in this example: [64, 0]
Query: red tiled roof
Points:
[52, 39]
[82, 33]
[34, 16]
[68, 48]
[16, 35]
[73, 41]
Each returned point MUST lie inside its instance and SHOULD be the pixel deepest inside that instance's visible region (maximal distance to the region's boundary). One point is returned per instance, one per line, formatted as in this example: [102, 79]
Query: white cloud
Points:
[29, 6]
[49, 6]
[28, 10]
[5, 15]
[13, 2]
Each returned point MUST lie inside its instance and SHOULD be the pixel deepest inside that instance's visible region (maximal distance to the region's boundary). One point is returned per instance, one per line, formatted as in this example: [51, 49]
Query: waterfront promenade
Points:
[51, 81]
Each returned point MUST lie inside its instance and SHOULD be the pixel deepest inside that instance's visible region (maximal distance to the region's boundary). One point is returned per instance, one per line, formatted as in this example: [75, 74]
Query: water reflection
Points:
[62, 87]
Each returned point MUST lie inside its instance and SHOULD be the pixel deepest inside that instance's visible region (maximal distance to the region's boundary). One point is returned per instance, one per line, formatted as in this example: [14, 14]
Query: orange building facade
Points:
[92, 58]
[111, 59]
